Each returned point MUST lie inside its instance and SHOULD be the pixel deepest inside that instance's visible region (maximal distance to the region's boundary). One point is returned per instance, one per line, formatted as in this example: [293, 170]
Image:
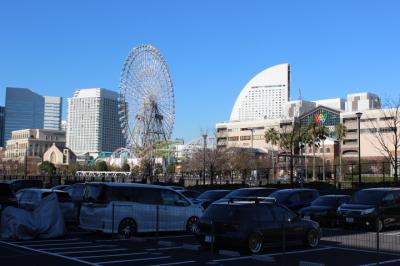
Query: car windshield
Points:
[5, 191]
[94, 193]
[368, 197]
[325, 201]
[281, 195]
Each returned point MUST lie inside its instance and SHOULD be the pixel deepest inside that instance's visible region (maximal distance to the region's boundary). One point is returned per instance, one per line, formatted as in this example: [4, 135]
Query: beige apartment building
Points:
[33, 143]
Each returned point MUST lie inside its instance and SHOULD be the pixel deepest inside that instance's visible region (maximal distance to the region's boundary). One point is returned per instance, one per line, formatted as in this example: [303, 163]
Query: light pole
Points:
[204, 158]
[359, 114]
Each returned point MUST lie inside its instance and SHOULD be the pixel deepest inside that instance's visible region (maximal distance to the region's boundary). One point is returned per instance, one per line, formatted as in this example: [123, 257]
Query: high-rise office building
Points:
[264, 96]
[93, 123]
[2, 120]
[24, 109]
[52, 112]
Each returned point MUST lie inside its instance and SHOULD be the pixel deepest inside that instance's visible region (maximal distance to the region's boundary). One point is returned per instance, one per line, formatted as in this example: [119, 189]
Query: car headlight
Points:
[367, 211]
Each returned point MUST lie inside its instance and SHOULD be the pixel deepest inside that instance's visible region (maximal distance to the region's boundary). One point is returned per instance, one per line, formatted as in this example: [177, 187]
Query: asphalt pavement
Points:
[82, 248]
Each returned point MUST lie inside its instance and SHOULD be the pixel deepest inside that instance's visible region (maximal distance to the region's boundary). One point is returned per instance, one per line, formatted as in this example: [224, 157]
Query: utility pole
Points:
[204, 158]
[26, 162]
[359, 114]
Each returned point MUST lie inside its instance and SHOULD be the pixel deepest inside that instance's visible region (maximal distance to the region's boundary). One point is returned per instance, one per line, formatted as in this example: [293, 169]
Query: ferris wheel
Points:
[147, 101]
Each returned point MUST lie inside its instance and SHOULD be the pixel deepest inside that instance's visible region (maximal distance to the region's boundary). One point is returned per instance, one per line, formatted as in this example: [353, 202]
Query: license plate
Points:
[209, 239]
[349, 220]
[307, 217]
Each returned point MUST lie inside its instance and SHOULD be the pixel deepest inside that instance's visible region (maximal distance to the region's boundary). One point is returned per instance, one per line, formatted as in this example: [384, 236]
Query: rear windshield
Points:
[249, 193]
[368, 197]
[222, 212]
[5, 191]
[62, 197]
[325, 201]
[212, 195]
[281, 196]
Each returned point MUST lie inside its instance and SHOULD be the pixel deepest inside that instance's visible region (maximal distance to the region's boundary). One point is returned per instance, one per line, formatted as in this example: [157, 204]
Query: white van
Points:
[127, 208]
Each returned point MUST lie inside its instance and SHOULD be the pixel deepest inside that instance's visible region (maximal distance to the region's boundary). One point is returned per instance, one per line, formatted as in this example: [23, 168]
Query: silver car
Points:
[128, 208]
[30, 198]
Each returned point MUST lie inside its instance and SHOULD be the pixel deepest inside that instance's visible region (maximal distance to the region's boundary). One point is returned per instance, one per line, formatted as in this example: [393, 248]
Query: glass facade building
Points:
[52, 112]
[2, 121]
[24, 109]
[93, 122]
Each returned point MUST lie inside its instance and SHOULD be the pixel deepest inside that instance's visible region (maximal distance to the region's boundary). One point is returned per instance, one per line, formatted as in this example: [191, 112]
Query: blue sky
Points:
[212, 48]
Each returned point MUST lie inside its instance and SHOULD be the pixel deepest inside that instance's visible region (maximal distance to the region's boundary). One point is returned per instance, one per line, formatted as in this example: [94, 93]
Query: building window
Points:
[245, 137]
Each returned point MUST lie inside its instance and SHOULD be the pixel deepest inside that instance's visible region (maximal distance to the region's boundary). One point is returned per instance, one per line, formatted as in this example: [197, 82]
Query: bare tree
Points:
[387, 134]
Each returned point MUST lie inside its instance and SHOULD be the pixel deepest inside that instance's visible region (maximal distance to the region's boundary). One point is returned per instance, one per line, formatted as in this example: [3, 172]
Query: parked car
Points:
[76, 192]
[7, 197]
[128, 208]
[295, 198]
[324, 209]
[209, 196]
[248, 192]
[60, 187]
[19, 184]
[190, 194]
[373, 208]
[252, 225]
[30, 198]
[176, 187]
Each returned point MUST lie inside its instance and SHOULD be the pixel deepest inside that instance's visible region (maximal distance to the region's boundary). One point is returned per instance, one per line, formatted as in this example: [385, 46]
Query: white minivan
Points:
[127, 208]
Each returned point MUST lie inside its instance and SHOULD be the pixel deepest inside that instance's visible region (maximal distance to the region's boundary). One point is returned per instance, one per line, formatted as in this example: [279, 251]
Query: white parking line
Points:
[133, 260]
[93, 251]
[381, 262]
[174, 263]
[48, 253]
[274, 254]
[361, 250]
[82, 247]
[57, 244]
[164, 237]
[166, 248]
[113, 255]
[42, 241]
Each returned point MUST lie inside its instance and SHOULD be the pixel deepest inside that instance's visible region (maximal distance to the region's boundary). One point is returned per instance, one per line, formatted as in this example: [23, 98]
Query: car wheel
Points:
[191, 225]
[312, 238]
[127, 228]
[255, 243]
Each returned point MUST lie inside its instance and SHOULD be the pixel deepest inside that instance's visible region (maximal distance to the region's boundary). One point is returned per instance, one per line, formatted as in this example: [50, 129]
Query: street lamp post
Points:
[204, 157]
[359, 114]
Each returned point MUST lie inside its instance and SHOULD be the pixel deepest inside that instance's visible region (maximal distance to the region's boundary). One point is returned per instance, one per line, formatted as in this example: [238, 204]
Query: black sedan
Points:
[324, 209]
[252, 225]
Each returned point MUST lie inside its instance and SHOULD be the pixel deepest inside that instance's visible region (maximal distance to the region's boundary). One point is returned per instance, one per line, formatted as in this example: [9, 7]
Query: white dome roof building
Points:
[264, 96]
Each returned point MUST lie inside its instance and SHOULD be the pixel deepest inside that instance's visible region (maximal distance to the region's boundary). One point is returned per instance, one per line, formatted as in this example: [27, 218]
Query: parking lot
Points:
[85, 248]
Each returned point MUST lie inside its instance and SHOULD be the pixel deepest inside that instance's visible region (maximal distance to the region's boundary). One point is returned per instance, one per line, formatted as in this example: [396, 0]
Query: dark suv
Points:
[250, 225]
[296, 198]
[374, 208]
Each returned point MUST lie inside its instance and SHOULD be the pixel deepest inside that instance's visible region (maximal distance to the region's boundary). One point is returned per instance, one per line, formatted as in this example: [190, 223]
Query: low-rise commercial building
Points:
[33, 143]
